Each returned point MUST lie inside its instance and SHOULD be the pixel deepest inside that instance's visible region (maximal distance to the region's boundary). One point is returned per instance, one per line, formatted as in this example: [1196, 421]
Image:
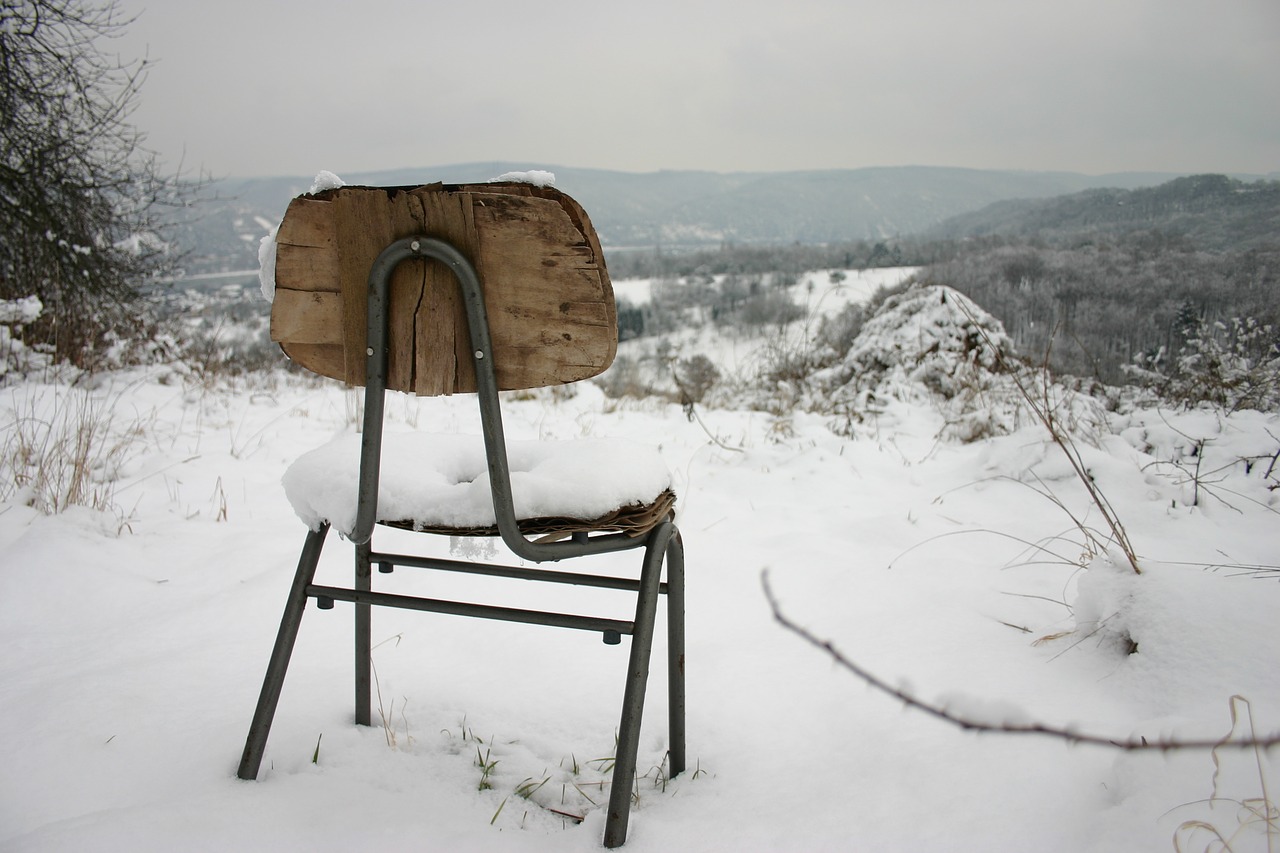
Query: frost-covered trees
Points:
[1090, 308]
[80, 197]
[1231, 366]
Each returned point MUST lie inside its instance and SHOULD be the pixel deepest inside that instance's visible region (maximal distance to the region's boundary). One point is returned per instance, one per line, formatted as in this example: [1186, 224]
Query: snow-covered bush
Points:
[1214, 459]
[927, 344]
[16, 357]
[1230, 366]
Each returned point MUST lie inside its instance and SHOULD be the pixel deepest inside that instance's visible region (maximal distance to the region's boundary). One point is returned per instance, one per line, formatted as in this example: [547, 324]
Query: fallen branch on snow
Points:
[946, 715]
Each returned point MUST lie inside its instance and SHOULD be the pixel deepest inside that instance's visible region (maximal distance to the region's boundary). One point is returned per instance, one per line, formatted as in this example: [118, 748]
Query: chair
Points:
[467, 288]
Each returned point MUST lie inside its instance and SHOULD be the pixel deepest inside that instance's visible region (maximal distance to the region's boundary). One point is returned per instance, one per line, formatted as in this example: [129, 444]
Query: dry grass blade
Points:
[1042, 406]
[66, 451]
[1253, 813]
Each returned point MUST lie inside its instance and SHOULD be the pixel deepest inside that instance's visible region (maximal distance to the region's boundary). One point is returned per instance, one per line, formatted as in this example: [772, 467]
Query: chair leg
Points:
[256, 742]
[364, 639]
[624, 767]
[675, 653]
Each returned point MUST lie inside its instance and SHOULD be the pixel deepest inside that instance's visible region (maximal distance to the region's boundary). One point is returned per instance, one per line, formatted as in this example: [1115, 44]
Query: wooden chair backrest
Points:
[550, 304]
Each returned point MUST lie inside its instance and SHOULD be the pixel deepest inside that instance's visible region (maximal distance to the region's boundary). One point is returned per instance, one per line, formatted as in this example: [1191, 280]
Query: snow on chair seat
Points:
[440, 484]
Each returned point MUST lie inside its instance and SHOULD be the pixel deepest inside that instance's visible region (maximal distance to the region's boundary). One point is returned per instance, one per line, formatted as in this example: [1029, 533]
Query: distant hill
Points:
[1213, 212]
[678, 209]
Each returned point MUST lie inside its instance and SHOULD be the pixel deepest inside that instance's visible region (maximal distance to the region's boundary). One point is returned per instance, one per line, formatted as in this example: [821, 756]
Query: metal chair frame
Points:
[661, 544]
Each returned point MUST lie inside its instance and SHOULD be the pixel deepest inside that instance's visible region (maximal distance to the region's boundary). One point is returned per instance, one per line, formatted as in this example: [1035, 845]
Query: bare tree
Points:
[82, 201]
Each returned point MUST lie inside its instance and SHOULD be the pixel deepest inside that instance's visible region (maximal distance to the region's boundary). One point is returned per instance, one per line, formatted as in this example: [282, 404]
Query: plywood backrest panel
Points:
[551, 311]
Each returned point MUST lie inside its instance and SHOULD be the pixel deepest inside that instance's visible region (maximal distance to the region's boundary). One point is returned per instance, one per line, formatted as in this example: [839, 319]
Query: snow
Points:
[326, 180]
[135, 637]
[20, 311]
[822, 293]
[267, 265]
[440, 480]
[537, 177]
[15, 356]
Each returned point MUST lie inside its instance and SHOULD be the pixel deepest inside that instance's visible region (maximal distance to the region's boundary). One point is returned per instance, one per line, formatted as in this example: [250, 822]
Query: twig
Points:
[1128, 744]
[1030, 545]
[1275, 457]
[692, 412]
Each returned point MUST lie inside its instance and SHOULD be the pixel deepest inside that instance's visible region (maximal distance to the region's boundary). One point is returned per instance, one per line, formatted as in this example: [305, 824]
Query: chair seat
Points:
[439, 483]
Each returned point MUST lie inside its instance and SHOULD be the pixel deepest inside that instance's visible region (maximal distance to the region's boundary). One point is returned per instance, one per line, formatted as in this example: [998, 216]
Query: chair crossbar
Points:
[462, 608]
[518, 573]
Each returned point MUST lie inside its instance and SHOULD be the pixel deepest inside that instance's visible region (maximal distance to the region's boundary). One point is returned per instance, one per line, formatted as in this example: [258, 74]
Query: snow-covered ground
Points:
[822, 292]
[134, 640]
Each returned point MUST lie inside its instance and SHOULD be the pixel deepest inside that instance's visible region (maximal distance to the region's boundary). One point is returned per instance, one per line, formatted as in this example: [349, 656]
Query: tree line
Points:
[1093, 310]
[763, 259]
[1211, 212]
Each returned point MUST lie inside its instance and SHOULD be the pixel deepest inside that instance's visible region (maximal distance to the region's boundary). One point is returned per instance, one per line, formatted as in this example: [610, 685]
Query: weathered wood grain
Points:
[551, 310]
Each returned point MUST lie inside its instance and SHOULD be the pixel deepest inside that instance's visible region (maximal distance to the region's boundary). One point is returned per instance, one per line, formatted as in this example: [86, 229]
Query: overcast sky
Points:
[287, 87]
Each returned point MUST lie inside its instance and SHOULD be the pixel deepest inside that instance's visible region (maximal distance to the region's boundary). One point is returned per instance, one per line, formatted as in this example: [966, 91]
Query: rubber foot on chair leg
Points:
[612, 638]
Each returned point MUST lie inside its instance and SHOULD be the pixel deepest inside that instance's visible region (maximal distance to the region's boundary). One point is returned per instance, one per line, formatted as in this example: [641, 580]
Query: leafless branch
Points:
[1140, 744]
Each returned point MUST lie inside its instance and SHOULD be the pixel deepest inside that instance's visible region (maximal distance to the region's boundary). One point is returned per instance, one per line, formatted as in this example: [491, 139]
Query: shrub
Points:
[694, 377]
[774, 307]
[63, 448]
[1231, 366]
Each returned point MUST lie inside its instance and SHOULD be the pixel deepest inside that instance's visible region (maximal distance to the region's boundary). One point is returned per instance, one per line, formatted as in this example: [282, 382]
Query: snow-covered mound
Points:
[928, 344]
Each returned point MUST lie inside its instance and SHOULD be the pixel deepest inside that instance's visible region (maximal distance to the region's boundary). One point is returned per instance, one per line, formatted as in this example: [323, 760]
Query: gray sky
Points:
[286, 87]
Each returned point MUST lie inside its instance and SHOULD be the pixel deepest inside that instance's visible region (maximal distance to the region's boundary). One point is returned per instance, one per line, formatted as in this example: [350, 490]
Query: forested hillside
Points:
[1212, 212]
[1104, 279]
[1093, 309]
